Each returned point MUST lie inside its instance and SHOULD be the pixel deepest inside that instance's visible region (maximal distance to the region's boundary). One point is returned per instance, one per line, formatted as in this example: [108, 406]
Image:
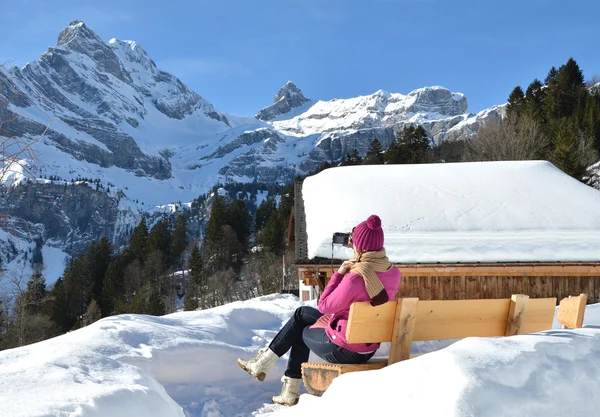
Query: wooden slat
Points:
[425, 292]
[368, 324]
[416, 286]
[403, 288]
[536, 287]
[540, 315]
[547, 286]
[455, 319]
[595, 288]
[435, 288]
[516, 315]
[403, 331]
[448, 284]
[571, 311]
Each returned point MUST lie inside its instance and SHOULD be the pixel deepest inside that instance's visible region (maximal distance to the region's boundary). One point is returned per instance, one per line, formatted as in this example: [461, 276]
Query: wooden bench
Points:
[407, 319]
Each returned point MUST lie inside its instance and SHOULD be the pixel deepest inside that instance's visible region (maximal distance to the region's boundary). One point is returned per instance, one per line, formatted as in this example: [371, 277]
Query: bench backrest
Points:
[409, 319]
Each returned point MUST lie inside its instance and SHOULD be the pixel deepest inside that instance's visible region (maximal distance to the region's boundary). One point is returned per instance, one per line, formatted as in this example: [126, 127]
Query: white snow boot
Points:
[260, 364]
[289, 392]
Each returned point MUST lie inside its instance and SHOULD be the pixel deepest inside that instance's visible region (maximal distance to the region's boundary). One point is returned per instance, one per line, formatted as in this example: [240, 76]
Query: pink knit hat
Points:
[368, 235]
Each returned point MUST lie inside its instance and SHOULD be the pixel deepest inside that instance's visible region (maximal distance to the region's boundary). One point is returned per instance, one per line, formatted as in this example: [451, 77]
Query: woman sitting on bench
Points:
[369, 277]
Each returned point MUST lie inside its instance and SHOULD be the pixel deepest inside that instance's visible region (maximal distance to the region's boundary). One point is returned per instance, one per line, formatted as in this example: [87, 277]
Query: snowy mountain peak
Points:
[287, 98]
[290, 91]
[133, 52]
[77, 32]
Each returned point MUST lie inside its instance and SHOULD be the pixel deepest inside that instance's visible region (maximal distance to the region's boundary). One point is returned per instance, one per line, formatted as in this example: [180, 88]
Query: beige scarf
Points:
[367, 263]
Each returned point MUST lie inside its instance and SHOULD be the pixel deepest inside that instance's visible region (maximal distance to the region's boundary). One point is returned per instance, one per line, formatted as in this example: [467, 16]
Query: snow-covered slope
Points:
[184, 364]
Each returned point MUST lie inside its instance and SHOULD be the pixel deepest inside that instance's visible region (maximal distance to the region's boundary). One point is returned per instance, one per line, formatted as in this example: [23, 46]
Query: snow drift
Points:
[183, 364]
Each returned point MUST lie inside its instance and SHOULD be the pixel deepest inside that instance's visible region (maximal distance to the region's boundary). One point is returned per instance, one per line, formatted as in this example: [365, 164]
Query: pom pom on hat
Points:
[368, 235]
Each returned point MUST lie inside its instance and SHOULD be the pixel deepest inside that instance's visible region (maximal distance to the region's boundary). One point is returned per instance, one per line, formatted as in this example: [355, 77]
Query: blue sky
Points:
[237, 54]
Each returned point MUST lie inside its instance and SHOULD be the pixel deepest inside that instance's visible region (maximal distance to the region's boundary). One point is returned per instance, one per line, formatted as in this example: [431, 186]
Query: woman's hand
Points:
[345, 267]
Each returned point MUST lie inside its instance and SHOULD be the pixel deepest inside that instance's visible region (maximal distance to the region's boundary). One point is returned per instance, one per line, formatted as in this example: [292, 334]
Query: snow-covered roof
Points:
[527, 211]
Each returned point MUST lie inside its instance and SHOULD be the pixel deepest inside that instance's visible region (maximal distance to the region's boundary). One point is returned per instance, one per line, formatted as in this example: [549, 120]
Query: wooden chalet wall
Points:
[477, 281]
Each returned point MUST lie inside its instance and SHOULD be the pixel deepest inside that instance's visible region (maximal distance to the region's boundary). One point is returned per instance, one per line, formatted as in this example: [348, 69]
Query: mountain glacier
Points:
[104, 111]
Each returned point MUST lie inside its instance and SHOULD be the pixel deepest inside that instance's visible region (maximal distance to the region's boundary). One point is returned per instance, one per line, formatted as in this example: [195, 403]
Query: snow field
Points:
[184, 364]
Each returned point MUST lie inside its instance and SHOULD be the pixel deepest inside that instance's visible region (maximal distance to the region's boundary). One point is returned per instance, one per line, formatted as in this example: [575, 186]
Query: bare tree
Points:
[587, 155]
[514, 139]
[25, 321]
[92, 314]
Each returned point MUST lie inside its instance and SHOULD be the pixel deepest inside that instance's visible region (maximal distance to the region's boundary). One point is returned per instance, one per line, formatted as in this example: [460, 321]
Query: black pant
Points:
[298, 336]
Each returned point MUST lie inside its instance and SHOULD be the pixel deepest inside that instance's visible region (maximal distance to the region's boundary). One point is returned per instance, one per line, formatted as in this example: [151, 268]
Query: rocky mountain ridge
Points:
[105, 111]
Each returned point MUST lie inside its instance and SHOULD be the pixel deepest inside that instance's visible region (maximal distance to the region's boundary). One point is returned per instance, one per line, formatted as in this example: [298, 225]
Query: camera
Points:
[341, 238]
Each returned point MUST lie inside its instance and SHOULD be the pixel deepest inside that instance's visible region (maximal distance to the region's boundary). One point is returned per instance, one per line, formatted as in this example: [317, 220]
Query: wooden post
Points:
[404, 324]
[516, 314]
[571, 311]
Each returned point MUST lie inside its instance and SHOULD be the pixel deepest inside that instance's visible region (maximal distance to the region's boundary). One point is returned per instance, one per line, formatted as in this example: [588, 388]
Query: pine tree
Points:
[410, 147]
[155, 306]
[98, 259]
[239, 219]
[138, 245]
[564, 91]
[272, 235]
[197, 285]
[516, 102]
[59, 308]
[179, 241]
[393, 155]
[113, 287]
[374, 154]
[36, 294]
[352, 159]
[213, 251]
[263, 213]
[76, 291]
[551, 77]
[217, 219]
[565, 144]
[534, 101]
[138, 306]
[191, 297]
[159, 239]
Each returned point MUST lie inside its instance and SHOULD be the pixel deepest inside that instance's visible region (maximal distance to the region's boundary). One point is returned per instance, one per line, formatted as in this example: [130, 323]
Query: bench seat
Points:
[407, 319]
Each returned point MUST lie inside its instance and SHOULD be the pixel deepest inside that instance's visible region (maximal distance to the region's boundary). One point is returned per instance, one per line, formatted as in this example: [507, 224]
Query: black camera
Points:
[341, 238]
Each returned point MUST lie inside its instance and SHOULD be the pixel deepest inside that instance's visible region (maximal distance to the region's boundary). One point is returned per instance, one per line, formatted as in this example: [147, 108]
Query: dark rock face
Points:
[71, 215]
[289, 97]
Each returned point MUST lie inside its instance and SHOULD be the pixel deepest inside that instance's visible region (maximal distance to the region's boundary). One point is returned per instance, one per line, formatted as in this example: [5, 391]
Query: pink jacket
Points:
[340, 293]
